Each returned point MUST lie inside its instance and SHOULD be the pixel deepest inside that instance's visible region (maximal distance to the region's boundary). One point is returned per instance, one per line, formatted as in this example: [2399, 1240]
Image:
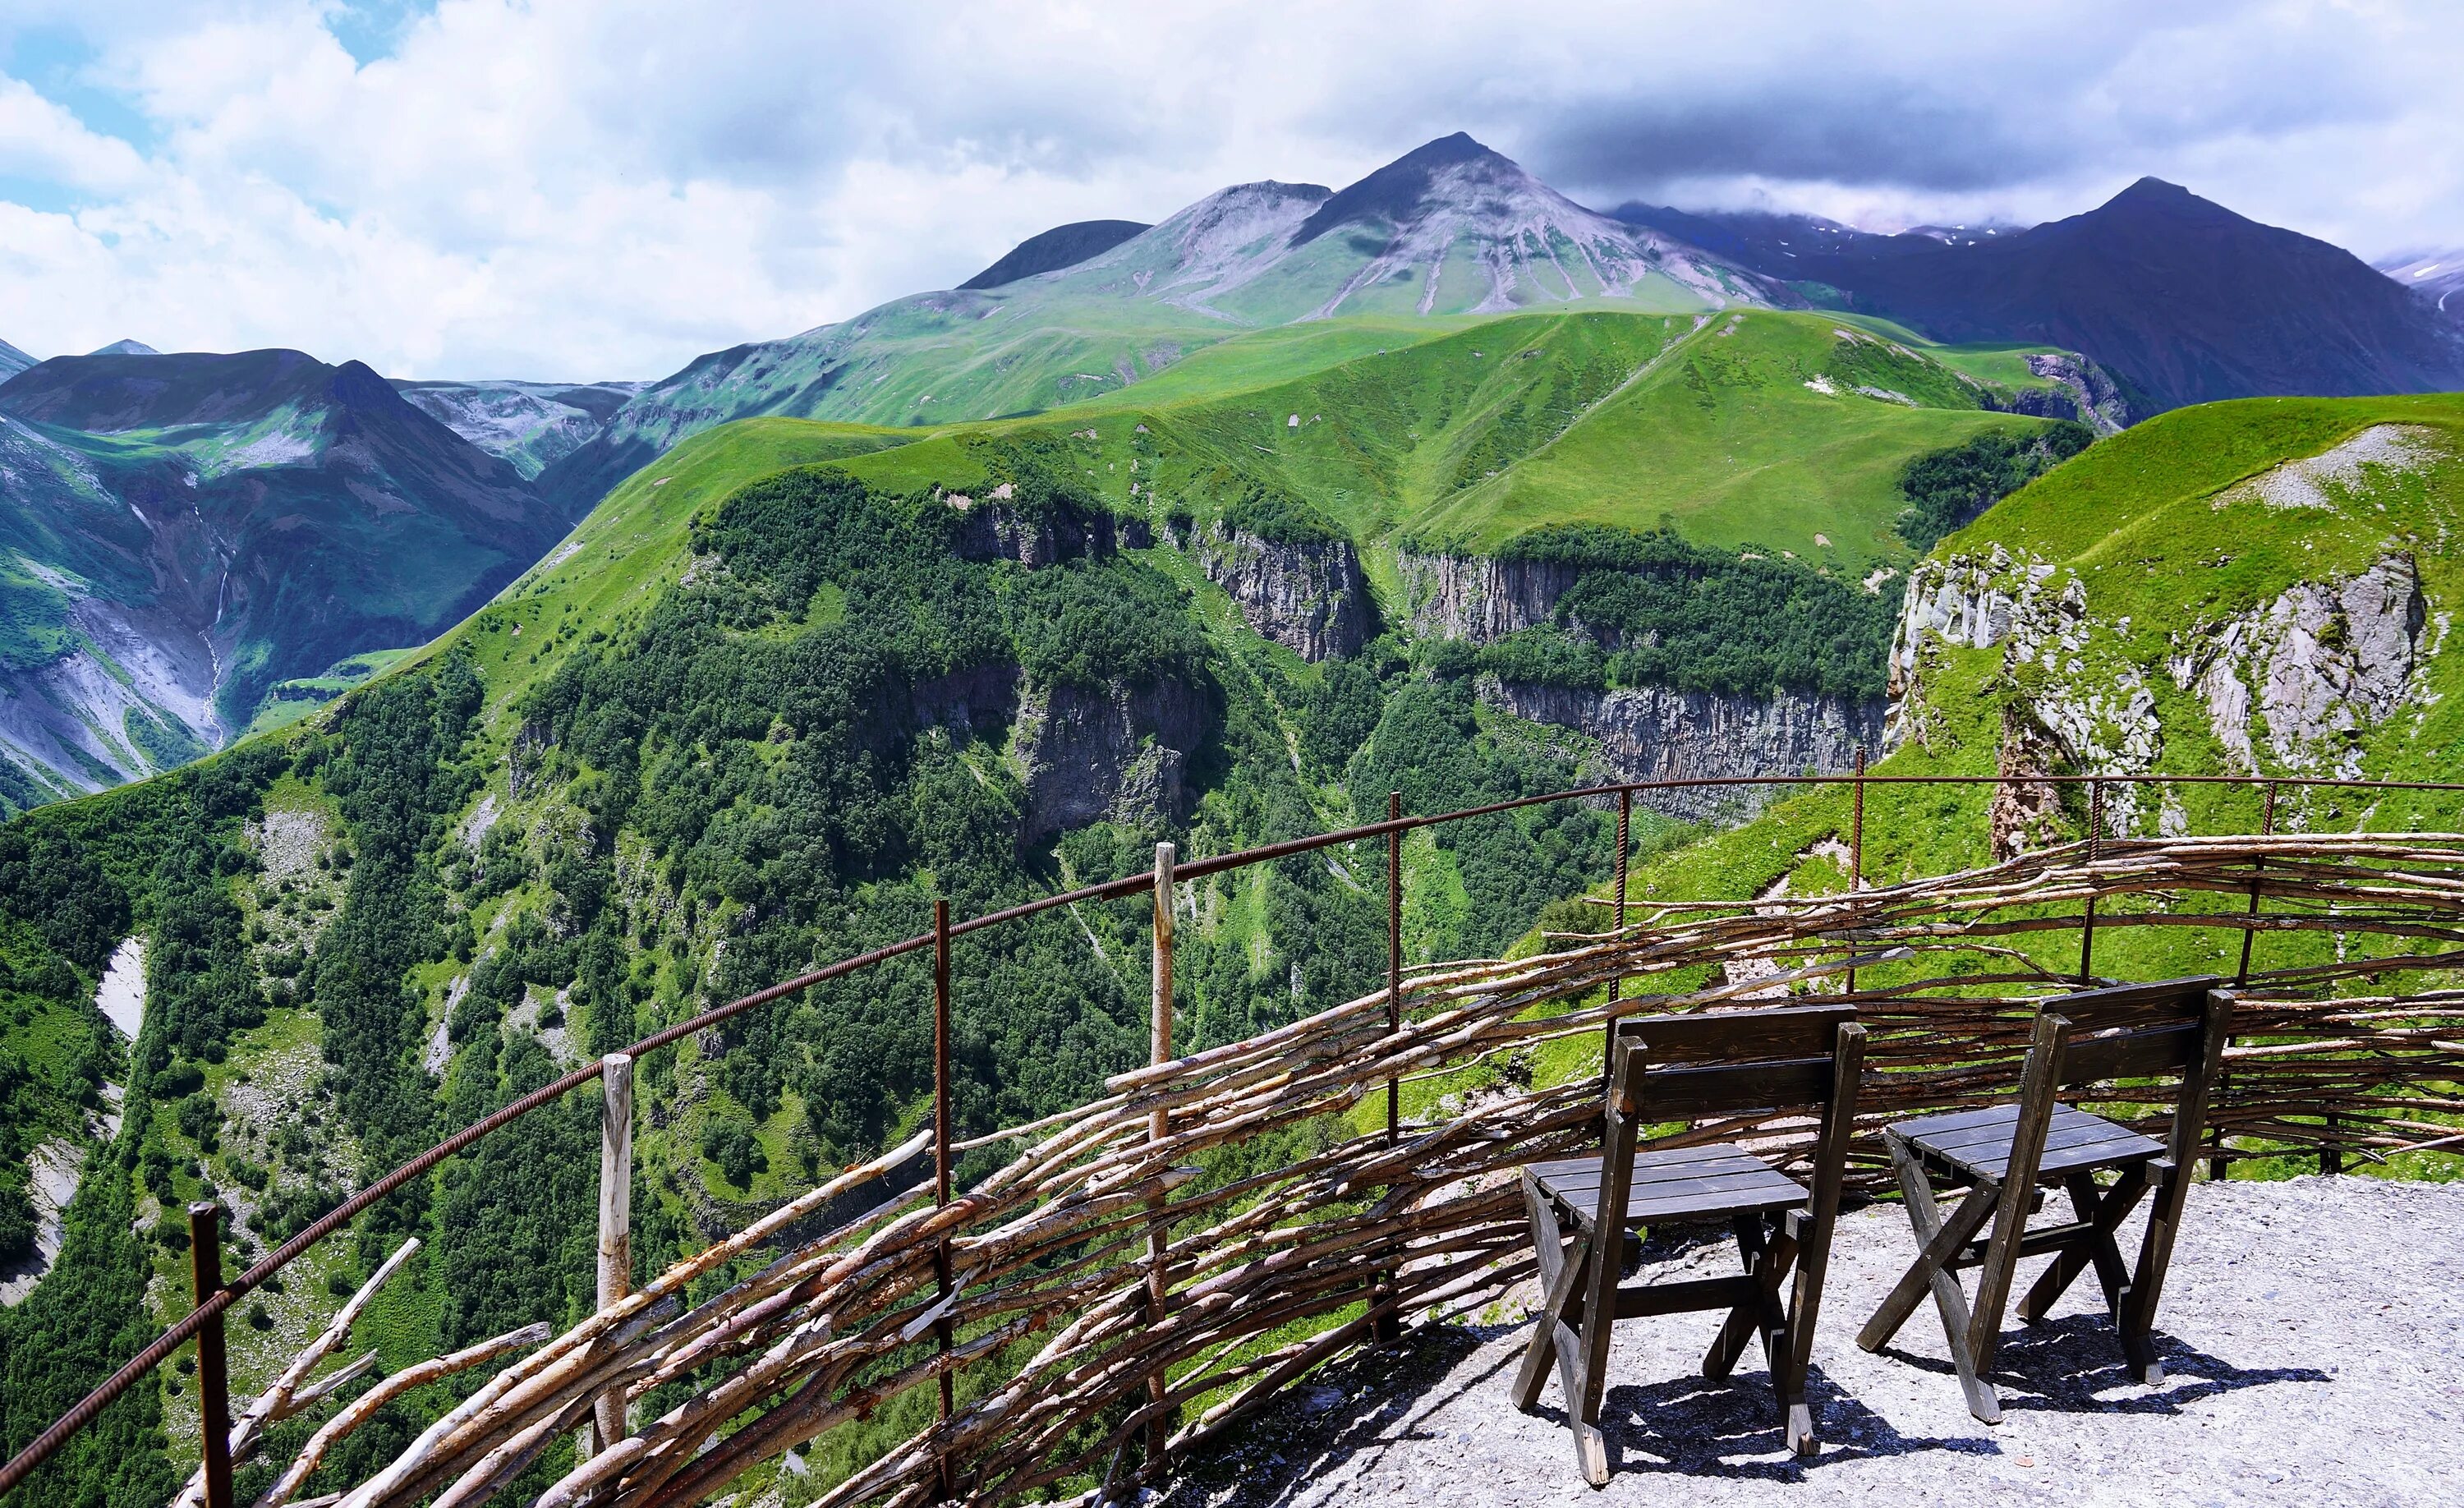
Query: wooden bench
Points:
[2001, 1154]
[1683, 1067]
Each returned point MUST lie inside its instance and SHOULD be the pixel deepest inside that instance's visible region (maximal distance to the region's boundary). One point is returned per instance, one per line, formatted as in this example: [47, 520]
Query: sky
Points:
[582, 189]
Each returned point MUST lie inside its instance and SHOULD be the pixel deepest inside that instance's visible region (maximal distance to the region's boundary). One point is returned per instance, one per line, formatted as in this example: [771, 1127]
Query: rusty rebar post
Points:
[2217, 1169]
[1616, 986]
[941, 1140]
[2087, 920]
[1160, 1127]
[1383, 1321]
[213, 1380]
[1394, 954]
[1856, 846]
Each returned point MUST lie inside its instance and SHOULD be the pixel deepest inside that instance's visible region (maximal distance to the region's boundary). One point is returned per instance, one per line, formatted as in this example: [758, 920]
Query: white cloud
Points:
[563, 188]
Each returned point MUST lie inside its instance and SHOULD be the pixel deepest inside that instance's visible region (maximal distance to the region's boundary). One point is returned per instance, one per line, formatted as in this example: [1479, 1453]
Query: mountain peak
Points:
[1061, 246]
[1397, 192]
[126, 348]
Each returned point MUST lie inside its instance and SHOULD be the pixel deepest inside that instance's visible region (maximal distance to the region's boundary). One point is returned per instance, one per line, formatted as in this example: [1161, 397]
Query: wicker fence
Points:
[1116, 1251]
[1149, 1266]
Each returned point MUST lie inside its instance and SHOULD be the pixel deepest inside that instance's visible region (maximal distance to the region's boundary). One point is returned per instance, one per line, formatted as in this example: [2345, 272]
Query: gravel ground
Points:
[2312, 1333]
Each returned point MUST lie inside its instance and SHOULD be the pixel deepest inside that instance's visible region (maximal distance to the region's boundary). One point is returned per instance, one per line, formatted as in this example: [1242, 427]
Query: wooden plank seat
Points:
[1677, 1067]
[2001, 1154]
[1677, 1184]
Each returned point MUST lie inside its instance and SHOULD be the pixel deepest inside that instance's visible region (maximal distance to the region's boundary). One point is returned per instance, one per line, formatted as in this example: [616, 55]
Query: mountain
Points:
[1061, 246]
[1450, 229]
[2183, 300]
[2237, 588]
[126, 348]
[183, 537]
[2434, 276]
[531, 424]
[12, 361]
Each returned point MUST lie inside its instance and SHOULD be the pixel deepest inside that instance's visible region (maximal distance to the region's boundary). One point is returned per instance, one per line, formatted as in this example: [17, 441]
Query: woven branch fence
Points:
[1128, 1285]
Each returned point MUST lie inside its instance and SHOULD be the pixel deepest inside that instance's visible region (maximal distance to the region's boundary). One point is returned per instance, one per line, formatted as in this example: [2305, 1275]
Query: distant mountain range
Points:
[531, 424]
[2435, 277]
[181, 538]
[188, 541]
[1448, 228]
[2184, 300]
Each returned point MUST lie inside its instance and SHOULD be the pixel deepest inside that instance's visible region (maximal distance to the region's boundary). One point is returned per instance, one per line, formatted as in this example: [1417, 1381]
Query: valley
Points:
[433, 736]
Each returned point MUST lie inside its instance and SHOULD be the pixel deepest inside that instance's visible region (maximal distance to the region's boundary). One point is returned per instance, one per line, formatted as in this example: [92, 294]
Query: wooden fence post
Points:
[615, 1220]
[1158, 1128]
[213, 1380]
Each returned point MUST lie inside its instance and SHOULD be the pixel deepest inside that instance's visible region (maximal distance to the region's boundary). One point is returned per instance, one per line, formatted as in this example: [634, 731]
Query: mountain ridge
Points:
[2182, 298]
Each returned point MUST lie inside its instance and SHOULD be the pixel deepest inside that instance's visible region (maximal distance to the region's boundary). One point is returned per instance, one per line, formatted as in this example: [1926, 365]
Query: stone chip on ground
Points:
[2308, 1328]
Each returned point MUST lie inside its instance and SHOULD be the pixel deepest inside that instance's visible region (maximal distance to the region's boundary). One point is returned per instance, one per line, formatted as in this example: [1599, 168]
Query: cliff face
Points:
[1480, 599]
[1118, 752]
[1656, 733]
[2293, 686]
[1312, 599]
[995, 530]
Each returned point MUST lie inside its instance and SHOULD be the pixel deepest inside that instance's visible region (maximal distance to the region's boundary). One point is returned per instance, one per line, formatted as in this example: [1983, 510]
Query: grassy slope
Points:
[1469, 436]
[2138, 518]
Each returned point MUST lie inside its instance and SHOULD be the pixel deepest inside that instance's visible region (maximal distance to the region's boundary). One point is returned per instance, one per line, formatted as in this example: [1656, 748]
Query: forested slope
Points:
[782, 689]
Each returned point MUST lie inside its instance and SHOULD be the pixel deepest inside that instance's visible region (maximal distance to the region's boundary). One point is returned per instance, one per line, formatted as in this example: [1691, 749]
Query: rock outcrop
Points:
[2095, 398]
[1085, 753]
[2292, 686]
[1311, 597]
[2309, 672]
[992, 530]
[1657, 732]
[1481, 598]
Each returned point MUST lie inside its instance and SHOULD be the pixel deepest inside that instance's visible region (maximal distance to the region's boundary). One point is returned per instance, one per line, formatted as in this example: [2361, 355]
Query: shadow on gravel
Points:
[1340, 1415]
[2073, 1364]
[1730, 1428]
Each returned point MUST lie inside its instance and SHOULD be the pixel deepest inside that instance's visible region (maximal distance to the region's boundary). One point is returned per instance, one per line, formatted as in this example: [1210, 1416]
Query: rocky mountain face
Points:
[529, 424]
[180, 535]
[1648, 732]
[2185, 300]
[12, 361]
[1310, 596]
[2434, 277]
[2294, 685]
[1657, 732]
[1120, 752]
[1450, 227]
[1481, 598]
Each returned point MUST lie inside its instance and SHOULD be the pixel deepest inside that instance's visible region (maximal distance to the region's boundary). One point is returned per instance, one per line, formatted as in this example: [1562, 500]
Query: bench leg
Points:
[2104, 1211]
[2137, 1316]
[1948, 1298]
[1563, 1266]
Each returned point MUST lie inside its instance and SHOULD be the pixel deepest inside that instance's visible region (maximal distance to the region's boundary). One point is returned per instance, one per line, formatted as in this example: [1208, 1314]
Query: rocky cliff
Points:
[1656, 733]
[1310, 597]
[1085, 753]
[2292, 686]
[1480, 597]
[995, 530]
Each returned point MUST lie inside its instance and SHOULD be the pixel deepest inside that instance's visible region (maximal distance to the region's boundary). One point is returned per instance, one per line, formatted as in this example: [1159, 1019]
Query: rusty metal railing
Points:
[214, 1298]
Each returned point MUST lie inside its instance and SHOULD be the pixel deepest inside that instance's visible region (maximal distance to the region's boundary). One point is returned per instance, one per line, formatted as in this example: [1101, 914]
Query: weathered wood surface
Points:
[1055, 1258]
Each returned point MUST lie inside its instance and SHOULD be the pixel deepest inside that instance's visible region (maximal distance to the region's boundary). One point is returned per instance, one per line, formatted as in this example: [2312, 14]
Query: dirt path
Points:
[2310, 1333]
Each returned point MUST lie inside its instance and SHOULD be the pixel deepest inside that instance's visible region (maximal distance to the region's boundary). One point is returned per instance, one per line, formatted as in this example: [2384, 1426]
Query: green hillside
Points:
[782, 688]
[2175, 533]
